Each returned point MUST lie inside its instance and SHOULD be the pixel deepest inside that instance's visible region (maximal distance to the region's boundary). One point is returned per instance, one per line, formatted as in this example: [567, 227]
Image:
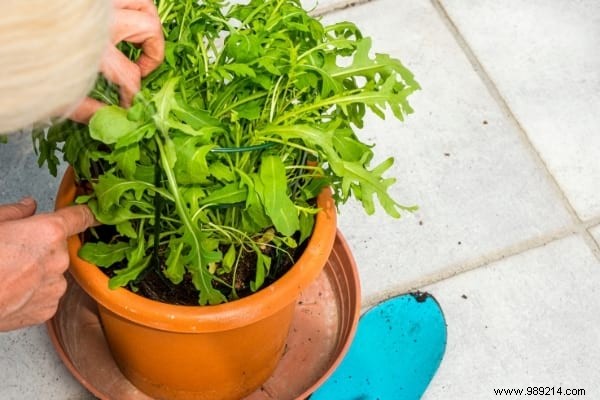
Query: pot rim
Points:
[210, 318]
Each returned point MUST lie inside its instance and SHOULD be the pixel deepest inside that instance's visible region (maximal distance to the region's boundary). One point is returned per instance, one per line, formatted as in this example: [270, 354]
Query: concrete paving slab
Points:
[459, 158]
[529, 320]
[20, 175]
[543, 56]
[482, 196]
[30, 369]
[317, 6]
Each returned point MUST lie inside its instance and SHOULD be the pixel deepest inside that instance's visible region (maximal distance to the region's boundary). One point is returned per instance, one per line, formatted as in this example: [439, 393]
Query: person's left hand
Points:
[134, 21]
[33, 259]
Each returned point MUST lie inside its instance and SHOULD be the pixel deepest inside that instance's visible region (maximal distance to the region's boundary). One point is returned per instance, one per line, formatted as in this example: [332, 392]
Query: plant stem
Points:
[204, 275]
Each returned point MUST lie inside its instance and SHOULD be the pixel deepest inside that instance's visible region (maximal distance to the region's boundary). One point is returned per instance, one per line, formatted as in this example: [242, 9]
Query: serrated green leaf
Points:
[240, 69]
[125, 228]
[137, 262]
[125, 275]
[110, 190]
[126, 159]
[192, 165]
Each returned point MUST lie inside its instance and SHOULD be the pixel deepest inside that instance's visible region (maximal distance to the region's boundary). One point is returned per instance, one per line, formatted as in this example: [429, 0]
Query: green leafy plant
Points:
[229, 142]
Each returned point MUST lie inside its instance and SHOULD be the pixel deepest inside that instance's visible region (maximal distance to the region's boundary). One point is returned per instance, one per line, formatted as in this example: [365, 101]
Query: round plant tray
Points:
[324, 325]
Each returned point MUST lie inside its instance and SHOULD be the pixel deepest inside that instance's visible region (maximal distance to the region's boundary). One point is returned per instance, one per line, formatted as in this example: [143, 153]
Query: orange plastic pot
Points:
[211, 352]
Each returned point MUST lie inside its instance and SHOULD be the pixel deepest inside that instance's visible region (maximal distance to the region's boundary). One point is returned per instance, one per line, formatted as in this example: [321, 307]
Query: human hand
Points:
[33, 258]
[134, 21]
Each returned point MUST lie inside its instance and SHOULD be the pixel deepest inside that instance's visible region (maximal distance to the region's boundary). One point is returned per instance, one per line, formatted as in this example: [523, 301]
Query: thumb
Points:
[75, 219]
[23, 209]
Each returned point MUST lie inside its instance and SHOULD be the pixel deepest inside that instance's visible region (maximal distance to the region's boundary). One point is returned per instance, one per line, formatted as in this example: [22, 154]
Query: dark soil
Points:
[420, 297]
[154, 285]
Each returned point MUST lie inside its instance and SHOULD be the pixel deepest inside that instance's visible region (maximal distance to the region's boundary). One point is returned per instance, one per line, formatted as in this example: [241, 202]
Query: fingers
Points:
[135, 21]
[141, 5]
[23, 209]
[75, 219]
[120, 70]
[144, 29]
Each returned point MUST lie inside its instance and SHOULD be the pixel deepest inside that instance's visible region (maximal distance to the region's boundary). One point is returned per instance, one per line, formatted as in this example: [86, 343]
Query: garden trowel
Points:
[398, 347]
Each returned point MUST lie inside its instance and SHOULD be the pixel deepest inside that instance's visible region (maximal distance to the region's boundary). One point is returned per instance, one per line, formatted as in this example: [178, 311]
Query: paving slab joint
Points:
[579, 226]
[492, 257]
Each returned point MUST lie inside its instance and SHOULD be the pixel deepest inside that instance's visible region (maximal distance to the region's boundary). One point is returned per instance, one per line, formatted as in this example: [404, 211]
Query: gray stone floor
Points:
[502, 156]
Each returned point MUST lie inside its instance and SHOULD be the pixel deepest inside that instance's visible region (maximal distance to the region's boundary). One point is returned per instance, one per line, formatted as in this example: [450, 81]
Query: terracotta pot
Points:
[212, 352]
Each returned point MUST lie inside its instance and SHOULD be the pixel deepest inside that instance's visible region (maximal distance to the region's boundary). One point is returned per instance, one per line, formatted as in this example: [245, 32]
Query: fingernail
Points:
[27, 201]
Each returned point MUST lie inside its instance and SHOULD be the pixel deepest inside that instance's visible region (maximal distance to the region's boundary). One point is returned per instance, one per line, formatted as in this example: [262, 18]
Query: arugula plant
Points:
[229, 142]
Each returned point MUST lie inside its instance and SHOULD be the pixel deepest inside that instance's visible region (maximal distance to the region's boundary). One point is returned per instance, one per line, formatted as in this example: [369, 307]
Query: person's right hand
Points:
[134, 21]
[33, 258]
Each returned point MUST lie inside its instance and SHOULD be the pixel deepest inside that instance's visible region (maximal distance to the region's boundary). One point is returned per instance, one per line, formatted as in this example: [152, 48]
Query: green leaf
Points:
[240, 69]
[263, 265]
[307, 223]
[118, 216]
[278, 206]
[221, 172]
[250, 110]
[164, 101]
[110, 125]
[192, 165]
[195, 118]
[229, 259]
[170, 152]
[137, 262]
[175, 262]
[254, 217]
[125, 228]
[102, 254]
[80, 150]
[349, 147]
[131, 273]
[126, 159]
[111, 190]
[228, 194]
[242, 48]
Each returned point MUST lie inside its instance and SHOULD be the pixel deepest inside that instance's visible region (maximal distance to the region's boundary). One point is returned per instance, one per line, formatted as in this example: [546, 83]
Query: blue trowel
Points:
[398, 347]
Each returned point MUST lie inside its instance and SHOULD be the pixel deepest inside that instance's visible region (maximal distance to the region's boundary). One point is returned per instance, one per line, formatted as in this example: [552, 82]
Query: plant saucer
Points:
[324, 325]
